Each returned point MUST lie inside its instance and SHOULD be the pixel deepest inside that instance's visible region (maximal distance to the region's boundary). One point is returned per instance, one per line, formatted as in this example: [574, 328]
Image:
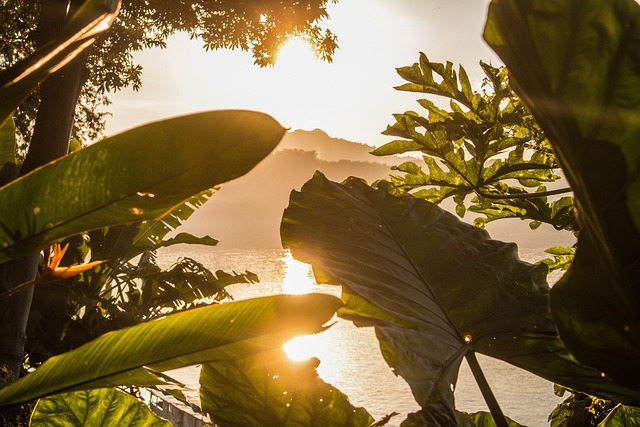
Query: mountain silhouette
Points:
[246, 212]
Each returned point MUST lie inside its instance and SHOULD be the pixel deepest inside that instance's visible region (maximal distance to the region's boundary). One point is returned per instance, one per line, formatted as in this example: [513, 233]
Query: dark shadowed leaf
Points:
[577, 67]
[420, 275]
[107, 407]
[270, 390]
[137, 175]
[131, 356]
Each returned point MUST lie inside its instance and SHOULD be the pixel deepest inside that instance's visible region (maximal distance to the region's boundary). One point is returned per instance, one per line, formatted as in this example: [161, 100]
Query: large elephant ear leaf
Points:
[137, 175]
[433, 287]
[270, 390]
[92, 19]
[577, 67]
[106, 407]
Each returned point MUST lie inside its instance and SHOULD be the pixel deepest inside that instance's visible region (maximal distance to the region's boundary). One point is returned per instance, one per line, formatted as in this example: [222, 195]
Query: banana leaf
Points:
[92, 19]
[134, 356]
[137, 175]
[433, 287]
[576, 65]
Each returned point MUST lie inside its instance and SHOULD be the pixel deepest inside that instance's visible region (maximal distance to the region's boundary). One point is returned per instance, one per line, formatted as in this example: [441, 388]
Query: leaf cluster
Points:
[486, 145]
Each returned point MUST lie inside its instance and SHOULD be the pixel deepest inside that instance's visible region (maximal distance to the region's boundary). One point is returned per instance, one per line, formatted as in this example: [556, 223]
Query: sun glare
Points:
[295, 53]
[298, 278]
[303, 347]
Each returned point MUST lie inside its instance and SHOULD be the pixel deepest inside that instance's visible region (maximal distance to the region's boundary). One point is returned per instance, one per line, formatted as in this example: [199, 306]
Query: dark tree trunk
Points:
[59, 95]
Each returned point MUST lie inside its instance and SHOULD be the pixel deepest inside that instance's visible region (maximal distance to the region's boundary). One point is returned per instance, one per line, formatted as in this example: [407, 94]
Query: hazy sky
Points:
[351, 98]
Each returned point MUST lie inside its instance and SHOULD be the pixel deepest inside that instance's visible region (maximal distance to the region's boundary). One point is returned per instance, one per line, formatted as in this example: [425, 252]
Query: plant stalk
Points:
[489, 398]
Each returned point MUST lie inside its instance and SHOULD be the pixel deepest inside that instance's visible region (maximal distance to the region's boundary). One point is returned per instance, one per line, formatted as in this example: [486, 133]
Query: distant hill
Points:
[246, 212]
[331, 149]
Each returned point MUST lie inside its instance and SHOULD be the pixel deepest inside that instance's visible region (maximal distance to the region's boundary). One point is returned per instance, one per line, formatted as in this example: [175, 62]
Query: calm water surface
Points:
[350, 357]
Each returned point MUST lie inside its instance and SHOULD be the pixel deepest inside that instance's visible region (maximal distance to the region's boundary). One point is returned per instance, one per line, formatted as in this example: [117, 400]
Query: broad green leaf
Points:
[576, 65]
[107, 407]
[92, 19]
[270, 390]
[131, 356]
[433, 287]
[137, 175]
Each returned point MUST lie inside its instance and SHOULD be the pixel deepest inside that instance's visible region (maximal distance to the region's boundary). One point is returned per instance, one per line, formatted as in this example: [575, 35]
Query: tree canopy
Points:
[259, 27]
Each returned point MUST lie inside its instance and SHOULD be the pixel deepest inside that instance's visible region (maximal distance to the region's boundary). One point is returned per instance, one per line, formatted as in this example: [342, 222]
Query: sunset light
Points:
[295, 53]
[298, 278]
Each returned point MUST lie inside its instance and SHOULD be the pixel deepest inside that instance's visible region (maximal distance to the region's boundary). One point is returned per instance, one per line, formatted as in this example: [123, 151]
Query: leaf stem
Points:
[485, 389]
[523, 195]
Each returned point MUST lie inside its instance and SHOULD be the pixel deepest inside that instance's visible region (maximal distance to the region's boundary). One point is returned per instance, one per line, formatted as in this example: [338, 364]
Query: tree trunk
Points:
[59, 96]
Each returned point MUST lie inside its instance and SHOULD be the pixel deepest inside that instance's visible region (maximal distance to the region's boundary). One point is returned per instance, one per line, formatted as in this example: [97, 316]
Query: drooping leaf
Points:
[137, 175]
[131, 356]
[270, 390]
[419, 275]
[107, 407]
[576, 65]
[92, 19]
[151, 233]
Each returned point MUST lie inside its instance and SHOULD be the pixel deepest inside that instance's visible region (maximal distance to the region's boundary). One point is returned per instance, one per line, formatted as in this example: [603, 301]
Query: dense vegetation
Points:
[435, 289]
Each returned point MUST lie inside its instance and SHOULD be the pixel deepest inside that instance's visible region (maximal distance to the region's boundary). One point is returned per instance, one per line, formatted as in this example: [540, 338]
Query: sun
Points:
[294, 54]
[303, 347]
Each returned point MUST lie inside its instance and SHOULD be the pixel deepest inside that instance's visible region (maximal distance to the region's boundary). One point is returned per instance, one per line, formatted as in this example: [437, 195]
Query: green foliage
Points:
[562, 258]
[453, 288]
[576, 68]
[487, 145]
[269, 390]
[135, 355]
[61, 199]
[106, 407]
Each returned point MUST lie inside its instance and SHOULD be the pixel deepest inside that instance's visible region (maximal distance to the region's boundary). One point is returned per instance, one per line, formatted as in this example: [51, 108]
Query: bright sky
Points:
[351, 98]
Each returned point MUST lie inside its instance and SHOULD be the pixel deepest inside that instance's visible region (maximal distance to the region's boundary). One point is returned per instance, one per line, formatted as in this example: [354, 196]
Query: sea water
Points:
[350, 358]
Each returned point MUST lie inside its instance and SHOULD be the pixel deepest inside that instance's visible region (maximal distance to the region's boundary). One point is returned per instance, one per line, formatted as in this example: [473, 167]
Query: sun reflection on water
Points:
[298, 278]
